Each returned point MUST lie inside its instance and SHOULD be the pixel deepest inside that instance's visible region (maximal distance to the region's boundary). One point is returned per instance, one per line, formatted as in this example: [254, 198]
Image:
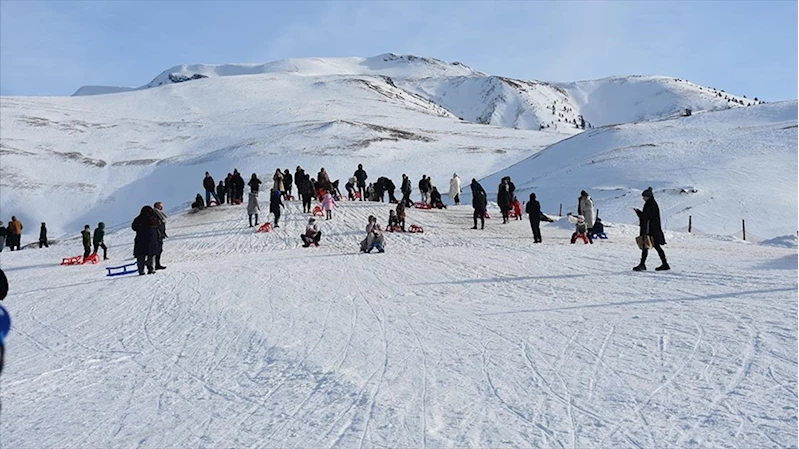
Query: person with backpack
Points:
[455, 189]
[210, 189]
[406, 190]
[479, 203]
[97, 239]
[533, 210]
[361, 177]
[327, 205]
[252, 208]
[43, 236]
[220, 192]
[86, 235]
[312, 234]
[649, 224]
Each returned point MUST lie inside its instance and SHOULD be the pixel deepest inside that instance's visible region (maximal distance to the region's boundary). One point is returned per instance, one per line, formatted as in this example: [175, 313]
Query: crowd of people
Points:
[150, 224]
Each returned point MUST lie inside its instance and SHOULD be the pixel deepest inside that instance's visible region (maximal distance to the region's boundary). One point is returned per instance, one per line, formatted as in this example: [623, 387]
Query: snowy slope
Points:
[452, 338]
[76, 160]
[718, 167]
[481, 98]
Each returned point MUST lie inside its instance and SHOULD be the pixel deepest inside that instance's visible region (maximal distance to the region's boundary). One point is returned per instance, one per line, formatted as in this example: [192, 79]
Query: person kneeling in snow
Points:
[312, 234]
[374, 238]
[598, 230]
[435, 199]
[580, 228]
[198, 203]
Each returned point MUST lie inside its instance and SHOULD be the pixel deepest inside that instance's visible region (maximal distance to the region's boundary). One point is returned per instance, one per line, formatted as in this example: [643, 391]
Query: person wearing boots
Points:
[97, 240]
[43, 236]
[253, 207]
[86, 235]
[649, 221]
[158, 208]
[533, 210]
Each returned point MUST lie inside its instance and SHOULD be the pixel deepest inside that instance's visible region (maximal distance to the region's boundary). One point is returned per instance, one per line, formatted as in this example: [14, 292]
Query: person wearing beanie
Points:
[98, 239]
[649, 222]
[533, 210]
[312, 234]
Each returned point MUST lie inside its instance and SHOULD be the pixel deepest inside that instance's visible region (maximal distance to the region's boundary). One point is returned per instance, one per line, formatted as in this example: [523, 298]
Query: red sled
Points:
[357, 195]
[290, 198]
[421, 205]
[77, 260]
[266, 227]
[318, 211]
[414, 229]
[581, 236]
[213, 203]
[393, 228]
[485, 215]
[235, 201]
[512, 214]
[93, 258]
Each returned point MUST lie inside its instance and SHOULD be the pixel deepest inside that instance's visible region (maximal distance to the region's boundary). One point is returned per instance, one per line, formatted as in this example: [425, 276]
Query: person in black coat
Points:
[361, 177]
[533, 210]
[288, 182]
[238, 186]
[3, 235]
[220, 192]
[145, 245]
[43, 236]
[255, 183]
[649, 222]
[306, 190]
[479, 203]
[504, 199]
[210, 189]
[275, 203]
[229, 188]
[406, 190]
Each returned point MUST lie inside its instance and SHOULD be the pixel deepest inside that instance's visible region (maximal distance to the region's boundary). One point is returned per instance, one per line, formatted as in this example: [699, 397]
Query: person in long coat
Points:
[649, 222]
[145, 245]
[278, 179]
[533, 210]
[455, 189]
[504, 199]
[585, 207]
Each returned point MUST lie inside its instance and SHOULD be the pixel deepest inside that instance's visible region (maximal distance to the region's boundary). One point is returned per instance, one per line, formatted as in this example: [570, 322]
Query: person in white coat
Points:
[585, 207]
[455, 189]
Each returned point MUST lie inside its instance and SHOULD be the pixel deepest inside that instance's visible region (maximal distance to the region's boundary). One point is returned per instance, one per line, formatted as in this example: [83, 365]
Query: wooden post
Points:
[560, 211]
[743, 226]
[689, 223]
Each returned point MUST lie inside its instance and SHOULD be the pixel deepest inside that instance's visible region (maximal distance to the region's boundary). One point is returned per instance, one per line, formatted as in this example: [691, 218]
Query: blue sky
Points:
[747, 48]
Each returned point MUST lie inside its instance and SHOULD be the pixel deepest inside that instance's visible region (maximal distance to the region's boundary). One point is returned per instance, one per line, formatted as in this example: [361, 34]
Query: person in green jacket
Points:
[99, 235]
[87, 241]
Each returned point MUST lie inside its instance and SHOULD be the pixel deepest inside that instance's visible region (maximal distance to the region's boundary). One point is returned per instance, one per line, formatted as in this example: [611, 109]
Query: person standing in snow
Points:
[503, 199]
[97, 239]
[14, 233]
[455, 189]
[312, 234]
[3, 235]
[238, 187]
[145, 245]
[306, 192]
[275, 203]
[86, 236]
[158, 209]
[210, 189]
[406, 190]
[253, 207]
[401, 215]
[424, 189]
[361, 177]
[220, 192]
[327, 205]
[585, 207]
[299, 178]
[255, 184]
[288, 181]
[533, 210]
[229, 188]
[323, 182]
[649, 222]
[43, 236]
[278, 180]
[479, 203]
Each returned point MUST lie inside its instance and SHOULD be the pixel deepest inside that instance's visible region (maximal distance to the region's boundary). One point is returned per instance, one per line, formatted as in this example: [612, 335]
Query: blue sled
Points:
[126, 269]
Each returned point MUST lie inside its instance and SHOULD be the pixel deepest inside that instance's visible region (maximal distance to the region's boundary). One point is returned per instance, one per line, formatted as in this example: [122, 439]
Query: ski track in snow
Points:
[453, 337]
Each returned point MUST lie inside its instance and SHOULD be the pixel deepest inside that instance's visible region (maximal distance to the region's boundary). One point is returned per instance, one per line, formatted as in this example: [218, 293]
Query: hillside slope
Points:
[718, 167]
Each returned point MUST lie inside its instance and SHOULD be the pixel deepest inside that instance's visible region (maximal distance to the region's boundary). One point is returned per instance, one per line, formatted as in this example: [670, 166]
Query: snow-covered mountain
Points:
[75, 160]
[717, 167]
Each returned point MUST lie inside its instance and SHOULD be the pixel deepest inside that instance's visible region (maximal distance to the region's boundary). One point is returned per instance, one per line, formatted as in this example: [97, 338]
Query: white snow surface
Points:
[717, 167]
[452, 338]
